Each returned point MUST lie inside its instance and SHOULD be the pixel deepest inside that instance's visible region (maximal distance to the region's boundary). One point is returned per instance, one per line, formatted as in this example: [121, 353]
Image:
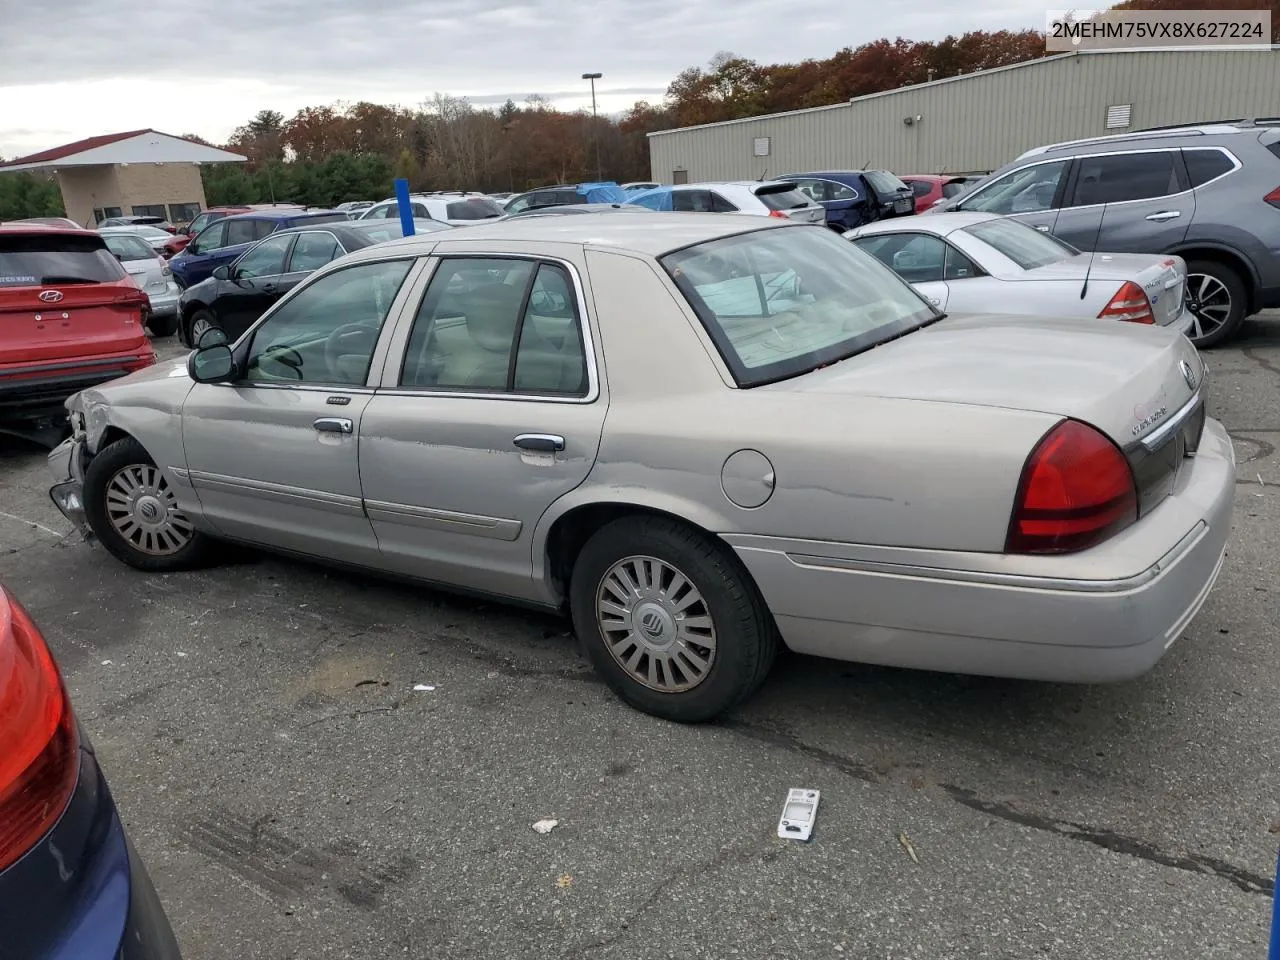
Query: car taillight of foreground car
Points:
[39, 748]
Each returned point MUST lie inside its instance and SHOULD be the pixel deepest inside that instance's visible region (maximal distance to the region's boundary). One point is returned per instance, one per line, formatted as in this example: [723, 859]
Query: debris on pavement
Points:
[905, 842]
[423, 687]
[564, 880]
[798, 814]
[545, 826]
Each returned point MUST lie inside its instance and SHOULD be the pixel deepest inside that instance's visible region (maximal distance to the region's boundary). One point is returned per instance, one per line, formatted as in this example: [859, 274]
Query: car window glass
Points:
[952, 189]
[265, 228]
[916, 257]
[883, 182]
[519, 204]
[465, 329]
[782, 199]
[812, 189]
[326, 332]
[1024, 245]
[129, 248]
[720, 205]
[210, 238]
[420, 211]
[840, 191]
[1205, 165]
[921, 188]
[242, 231]
[1124, 176]
[313, 251]
[31, 258]
[198, 223]
[473, 208]
[264, 260]
[550, 357]
[959, 266]
[691, 201]
[1028, 190]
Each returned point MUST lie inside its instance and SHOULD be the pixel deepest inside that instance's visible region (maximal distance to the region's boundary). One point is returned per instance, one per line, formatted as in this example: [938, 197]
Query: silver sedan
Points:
[701, 438]
[984, 263]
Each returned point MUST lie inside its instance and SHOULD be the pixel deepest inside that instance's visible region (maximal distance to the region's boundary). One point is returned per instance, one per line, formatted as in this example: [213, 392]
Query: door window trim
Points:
[1179, 171]
[391, 371]
[1235, 164]
[1059, 194]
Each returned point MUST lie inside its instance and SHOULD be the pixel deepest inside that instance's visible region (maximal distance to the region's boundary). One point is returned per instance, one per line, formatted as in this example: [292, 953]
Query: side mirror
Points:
[222, 273]
[213, 337]
[211, 364]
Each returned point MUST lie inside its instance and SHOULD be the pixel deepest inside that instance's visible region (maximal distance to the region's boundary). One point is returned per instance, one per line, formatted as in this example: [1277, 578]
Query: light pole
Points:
[595, 127]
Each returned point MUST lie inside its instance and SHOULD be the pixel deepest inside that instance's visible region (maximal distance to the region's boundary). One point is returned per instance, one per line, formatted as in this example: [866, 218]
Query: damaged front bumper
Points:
[66, 462]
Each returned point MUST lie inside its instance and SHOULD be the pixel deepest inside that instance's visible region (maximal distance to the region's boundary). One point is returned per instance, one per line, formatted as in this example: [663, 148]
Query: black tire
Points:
[746, 638]
[1226, 279]
[163, 326]
[198, 550]
[199, 315]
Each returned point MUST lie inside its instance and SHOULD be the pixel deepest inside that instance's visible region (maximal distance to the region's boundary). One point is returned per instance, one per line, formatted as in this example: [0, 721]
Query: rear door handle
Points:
[542, 442]
[1165, 215]
[333, 425]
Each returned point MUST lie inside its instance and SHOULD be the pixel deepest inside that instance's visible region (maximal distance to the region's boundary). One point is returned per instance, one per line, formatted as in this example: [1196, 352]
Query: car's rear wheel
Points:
[135, 515]
[163, 326]
[1218, 301]
[201, 322]
[670, 619]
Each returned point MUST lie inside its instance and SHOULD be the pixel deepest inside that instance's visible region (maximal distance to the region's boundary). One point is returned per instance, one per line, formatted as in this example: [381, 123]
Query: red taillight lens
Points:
[1129, 304]
[1076, 490]
[1273, 198]
[779, 214]
[38, 742]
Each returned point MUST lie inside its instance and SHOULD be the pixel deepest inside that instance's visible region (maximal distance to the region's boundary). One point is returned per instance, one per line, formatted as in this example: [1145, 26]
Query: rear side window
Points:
[921, 188]
[473, 208]
[27, 260]
[244, 231]
[1275, 149]
[1124, 176]
[1206, 165]
[787, 198]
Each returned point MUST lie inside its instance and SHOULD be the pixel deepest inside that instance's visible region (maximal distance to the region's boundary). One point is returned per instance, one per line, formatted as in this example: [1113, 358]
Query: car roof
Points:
[41, 228]
[651, 234]
[936, 223]
[282, 214]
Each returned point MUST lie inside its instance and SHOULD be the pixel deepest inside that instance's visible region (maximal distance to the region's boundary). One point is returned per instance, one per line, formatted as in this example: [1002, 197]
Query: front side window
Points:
[921, 188]
[779, 303]
[200, 222]
[128, 248]
[1024, 245]
[313, 251]
[264, 260]
[327, 331]
[1028, 190]
[916, 257]
[497, 325]
[1124, 176]
[210, 238]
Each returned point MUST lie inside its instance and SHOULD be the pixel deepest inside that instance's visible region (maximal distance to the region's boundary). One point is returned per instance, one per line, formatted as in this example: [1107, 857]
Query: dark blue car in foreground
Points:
[855, 197]
[223, 240]
[71, 884]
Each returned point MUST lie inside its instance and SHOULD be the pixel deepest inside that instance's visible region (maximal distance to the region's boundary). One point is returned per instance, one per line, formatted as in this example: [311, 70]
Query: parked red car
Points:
[930, 188]
[70, 318]
[201, 220]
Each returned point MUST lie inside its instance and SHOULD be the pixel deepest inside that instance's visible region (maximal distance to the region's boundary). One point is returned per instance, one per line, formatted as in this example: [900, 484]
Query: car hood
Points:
[1122, 378]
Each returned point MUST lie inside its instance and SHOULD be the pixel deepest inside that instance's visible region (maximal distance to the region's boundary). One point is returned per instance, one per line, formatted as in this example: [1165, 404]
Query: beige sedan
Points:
[701, 437]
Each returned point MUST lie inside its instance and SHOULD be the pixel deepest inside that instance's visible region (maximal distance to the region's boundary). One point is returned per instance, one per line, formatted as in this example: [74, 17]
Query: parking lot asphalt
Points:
[295, 796]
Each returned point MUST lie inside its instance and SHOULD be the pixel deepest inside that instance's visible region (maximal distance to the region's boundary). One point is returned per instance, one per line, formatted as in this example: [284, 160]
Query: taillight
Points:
[39, 745]
[1273, 198]
[164, 267]
[779, 214]
[1076, 490]
[1129, 304]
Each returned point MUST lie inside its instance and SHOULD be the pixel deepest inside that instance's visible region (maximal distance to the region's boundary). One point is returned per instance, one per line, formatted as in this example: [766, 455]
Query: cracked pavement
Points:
[295, 797]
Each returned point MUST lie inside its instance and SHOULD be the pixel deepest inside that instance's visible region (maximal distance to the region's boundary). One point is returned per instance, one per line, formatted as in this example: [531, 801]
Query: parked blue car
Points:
[223, 240]
[604, 191]
[71, 884]
[855, 197]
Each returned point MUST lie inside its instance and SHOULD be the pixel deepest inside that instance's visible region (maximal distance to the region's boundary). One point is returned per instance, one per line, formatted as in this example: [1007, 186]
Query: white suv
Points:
[457, 209]
[760, 198]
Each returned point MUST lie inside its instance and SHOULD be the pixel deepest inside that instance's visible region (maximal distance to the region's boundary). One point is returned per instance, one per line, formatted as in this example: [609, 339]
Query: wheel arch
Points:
[1227, 257]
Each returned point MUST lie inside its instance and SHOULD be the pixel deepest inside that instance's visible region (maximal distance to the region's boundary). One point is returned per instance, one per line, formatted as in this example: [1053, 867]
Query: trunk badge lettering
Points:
[50, 296]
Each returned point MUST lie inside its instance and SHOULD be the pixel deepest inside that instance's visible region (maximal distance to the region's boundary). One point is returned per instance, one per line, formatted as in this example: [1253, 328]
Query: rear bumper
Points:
[83, 893]
[39, 391]
[836, 601]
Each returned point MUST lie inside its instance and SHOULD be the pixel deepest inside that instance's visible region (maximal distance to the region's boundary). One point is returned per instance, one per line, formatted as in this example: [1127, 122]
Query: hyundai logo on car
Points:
[51, 296]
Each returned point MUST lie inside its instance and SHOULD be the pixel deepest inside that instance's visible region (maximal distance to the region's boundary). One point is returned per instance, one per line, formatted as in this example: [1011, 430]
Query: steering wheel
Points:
[333, 343]
[285, 356]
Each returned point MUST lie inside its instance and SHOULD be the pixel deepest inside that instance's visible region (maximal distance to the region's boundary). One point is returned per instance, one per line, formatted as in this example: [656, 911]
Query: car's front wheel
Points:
[201, 322]
[670, 619]
[135, 515]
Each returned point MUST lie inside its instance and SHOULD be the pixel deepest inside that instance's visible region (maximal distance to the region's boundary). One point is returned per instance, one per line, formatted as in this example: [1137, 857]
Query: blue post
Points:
[406, 209]
[1274, 952]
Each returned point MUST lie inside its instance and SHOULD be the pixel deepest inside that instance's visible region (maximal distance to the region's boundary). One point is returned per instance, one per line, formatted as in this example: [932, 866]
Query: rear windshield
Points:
[29, 260]
[321, 218]
[782, 302]
[126, 247]
[782, 198]
[954, 188]
[1024, 245]
[474, 208]
[884, 182]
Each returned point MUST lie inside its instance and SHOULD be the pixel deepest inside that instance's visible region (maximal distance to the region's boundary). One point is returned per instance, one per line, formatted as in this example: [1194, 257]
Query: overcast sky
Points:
[204, 68]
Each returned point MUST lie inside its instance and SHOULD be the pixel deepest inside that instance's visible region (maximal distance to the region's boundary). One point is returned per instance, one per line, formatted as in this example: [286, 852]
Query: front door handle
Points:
[1165, 215]
[333, 425]
[268, 288]
[541, 442]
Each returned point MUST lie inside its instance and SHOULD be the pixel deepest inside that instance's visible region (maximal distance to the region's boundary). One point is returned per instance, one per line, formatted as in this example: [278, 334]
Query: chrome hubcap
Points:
[142, 509]
[199, 328]
[656, 624]
[1209, 301]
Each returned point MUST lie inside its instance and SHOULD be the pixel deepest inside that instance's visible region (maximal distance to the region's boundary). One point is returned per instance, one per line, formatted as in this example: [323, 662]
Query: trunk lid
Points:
[1123, 379]
[1162, 278]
